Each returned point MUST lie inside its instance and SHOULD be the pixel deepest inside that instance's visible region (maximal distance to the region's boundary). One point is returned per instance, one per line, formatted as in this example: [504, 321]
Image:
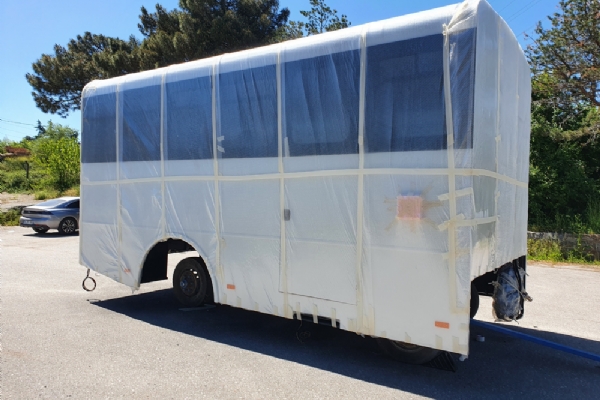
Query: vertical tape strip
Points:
[497, 133]
[118, 166]
[451, 174]
[217, 208]
[163, 218]
[282, 252]
[360, 195]
[315, 314]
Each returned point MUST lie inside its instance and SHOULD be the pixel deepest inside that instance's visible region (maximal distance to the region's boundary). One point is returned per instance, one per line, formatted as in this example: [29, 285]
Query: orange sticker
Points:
[409, 207]
[230, 286]
[444, 325]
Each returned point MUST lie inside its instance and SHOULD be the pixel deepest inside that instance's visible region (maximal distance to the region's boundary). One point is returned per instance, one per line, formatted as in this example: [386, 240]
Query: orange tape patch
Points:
[444, 325]
[230, 286]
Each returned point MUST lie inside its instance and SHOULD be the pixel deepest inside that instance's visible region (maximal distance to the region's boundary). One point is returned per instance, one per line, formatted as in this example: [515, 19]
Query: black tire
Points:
[474, 301]
[67, 226]
[407, 353]
[40, 230]
[190, 282]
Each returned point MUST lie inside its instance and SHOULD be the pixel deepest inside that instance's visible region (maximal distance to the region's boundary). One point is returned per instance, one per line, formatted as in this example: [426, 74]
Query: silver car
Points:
[61, 214]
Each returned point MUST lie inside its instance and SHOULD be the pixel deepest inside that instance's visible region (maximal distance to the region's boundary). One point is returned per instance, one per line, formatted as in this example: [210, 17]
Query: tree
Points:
[40, 128]
[198, 29]
[321, 18]
[565, 59]
[205, 28]
[57, 80]
[564, 175]
[57, 151]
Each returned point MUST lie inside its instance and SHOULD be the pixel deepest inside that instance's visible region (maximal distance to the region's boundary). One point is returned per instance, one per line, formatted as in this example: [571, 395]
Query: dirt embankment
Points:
[10, 200]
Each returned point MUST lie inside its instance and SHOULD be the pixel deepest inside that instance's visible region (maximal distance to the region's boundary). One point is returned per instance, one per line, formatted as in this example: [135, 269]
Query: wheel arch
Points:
[154, 263]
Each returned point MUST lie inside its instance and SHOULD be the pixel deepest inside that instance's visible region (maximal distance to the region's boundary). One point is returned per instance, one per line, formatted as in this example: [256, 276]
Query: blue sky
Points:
[29, 28]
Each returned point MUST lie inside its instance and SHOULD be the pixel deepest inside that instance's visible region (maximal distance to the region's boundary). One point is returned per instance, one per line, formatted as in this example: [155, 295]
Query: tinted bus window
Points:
[404, 96]
[141, 124]
[189, 119]
[321, 97]
[248, 113]
[98, 133]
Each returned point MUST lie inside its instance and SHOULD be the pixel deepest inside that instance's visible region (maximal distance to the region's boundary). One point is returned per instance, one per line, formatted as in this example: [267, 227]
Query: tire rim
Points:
[189, 283]
[68, 226]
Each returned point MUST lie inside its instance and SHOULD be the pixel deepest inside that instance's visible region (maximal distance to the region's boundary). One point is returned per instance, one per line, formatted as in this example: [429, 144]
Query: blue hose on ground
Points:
[543, 342]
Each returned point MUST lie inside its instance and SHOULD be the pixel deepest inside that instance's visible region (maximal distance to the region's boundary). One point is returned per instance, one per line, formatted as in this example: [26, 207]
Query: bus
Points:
[372, 178]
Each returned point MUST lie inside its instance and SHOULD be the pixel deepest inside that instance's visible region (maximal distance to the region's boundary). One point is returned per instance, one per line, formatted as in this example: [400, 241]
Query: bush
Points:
[46, 194]
[10, 217]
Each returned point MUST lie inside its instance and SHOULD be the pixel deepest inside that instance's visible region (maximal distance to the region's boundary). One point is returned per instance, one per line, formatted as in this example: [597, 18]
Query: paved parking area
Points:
[58, 341]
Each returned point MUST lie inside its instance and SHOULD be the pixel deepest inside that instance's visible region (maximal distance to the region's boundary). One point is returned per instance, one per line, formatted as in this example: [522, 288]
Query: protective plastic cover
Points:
[365, 175]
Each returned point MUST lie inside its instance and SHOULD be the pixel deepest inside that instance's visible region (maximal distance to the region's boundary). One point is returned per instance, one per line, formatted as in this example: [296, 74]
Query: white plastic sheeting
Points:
[398, 149]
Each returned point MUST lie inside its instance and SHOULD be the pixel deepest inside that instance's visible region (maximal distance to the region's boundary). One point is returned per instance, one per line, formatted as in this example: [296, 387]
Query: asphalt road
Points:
[58, 341]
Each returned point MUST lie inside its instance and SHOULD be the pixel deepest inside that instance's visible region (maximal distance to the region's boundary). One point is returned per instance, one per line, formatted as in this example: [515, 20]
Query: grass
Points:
[550, 250]
[45, 194]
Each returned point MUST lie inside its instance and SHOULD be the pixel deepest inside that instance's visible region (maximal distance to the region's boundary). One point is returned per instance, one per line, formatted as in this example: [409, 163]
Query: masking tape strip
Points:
[360, 199]
[333, 319]
[324, 173]
[220, 273]
[461, 222]
[459, 348]
[458, 193]
[439, 342]
[444, 225]
[117, 182]
[451, 173]
[298, 313]
[407, 339]
[163, 216]
[275, 311]
[280, 150]
[315, 314]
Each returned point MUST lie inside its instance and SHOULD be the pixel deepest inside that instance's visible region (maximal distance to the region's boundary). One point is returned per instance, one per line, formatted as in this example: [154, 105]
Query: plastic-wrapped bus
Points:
[372, 178]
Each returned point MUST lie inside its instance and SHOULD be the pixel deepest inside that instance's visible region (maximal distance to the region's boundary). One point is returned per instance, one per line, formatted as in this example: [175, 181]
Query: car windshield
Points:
[51, 203]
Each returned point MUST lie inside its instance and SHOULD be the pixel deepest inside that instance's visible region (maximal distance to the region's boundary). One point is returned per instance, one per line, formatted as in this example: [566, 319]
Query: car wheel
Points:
[67, 226]
[406, 352]
[190, 282]
[40, 230]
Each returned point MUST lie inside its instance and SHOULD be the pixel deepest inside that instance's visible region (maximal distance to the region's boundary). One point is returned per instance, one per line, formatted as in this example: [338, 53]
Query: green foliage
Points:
[320, 18]
[544, 250]
[10, 217]
[13, 175]
[57, 80]
[564, 179]
[197, 29]
[204, 28]
[46, 194]
[568, 54]
[60, 158]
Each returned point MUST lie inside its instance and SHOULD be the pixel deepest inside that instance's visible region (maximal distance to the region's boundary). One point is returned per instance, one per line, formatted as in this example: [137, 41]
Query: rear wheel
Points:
[40, 230]
[406, 352]
[190, 282]
[67, 226]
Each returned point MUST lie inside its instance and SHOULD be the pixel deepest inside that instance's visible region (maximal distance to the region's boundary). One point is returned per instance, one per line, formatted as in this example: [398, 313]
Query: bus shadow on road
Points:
[498, 367]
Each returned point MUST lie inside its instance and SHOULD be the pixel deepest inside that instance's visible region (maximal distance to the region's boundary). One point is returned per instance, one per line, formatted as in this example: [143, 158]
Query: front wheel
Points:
[67, 226]
[190, 282]
[406, 352]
